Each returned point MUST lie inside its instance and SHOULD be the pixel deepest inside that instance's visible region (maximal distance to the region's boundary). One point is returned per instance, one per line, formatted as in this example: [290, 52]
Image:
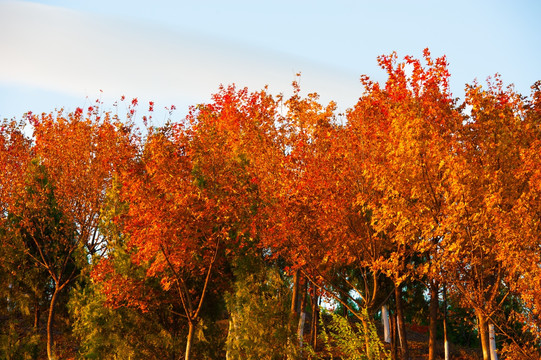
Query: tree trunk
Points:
[294, 305]
[295, 294]
[483, 332]
[434, 305]
[302, 317]
[50, 320]
[394, 338]
[315, 313]
[385, 321]
[401, 325]
[229, 338]
[36, 313]
[446, 341]
[366, 330]
[492, 339]
[189, 340]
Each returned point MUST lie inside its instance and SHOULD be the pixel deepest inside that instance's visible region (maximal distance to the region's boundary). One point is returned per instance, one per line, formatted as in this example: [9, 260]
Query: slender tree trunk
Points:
[385, 322]
[36, 313]
[189, 340]
[50, 320]
[294, 304]
[295, 294]
[446, 341]
[315, 313]
[492, 340]
[302, 317]
[394, 338]
[366, 329]
[229, 338]
[401, 325]
[483, 332]
[434, 305]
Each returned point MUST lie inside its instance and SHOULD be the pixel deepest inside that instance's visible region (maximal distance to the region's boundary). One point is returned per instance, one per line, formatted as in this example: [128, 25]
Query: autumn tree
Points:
[24, 295]
[522, 227]
[235, 150]
[403, 130]
[192, 197]
[57, 196]
[483, 189]
[526, 220]
[508, 126]
[408, 189]
[315, 223]
[163, 206]
[104, 328]
[294, 221]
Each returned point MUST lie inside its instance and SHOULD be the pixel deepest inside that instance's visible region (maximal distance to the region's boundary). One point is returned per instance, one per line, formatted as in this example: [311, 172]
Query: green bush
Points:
[259, 324]
[340, 338]
[117, 334]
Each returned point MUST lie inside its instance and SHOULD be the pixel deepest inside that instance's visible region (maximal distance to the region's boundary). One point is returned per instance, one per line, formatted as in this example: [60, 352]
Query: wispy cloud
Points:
[80, 53]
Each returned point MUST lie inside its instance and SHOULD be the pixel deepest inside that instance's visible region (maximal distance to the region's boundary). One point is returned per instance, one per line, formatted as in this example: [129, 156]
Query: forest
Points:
[269, 227]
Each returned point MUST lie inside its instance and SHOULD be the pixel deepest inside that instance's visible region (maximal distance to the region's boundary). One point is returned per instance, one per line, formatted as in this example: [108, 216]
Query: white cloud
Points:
[80, 53]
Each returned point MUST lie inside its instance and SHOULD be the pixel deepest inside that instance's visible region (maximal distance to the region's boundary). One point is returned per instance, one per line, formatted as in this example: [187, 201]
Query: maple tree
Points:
[191, 198]
[526, 218]
[56, 202]
[404, 129]
[524, 222]
[25, 286]
[294, 225]
[483, 188]
[166, 232]
[230, 145]
[409, 192]
[316, 224]
[510, 152]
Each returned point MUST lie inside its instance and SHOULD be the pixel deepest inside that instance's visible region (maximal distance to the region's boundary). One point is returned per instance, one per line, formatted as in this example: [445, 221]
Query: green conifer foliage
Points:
[259, 319]
[348, 341]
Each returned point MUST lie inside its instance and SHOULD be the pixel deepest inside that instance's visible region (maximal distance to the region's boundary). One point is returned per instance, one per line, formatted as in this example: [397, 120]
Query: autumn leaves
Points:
[409, 186]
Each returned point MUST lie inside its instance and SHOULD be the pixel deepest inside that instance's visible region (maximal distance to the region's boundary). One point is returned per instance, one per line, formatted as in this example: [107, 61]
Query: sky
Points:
[68, 53]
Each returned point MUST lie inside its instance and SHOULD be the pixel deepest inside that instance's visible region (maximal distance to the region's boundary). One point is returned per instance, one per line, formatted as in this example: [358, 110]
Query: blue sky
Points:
[62, 53]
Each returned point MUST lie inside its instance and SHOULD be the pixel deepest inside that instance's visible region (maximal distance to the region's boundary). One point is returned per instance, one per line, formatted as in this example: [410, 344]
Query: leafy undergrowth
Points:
[417, 343]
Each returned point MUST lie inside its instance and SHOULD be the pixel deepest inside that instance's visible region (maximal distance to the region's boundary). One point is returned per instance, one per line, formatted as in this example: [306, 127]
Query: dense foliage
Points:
[220, 235]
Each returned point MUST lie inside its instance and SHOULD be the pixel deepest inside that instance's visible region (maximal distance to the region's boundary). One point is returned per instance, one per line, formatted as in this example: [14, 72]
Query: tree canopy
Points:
[250, 210]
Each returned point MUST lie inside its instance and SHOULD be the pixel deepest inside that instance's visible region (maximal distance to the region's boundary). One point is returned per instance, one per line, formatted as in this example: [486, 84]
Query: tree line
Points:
[219, 235]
